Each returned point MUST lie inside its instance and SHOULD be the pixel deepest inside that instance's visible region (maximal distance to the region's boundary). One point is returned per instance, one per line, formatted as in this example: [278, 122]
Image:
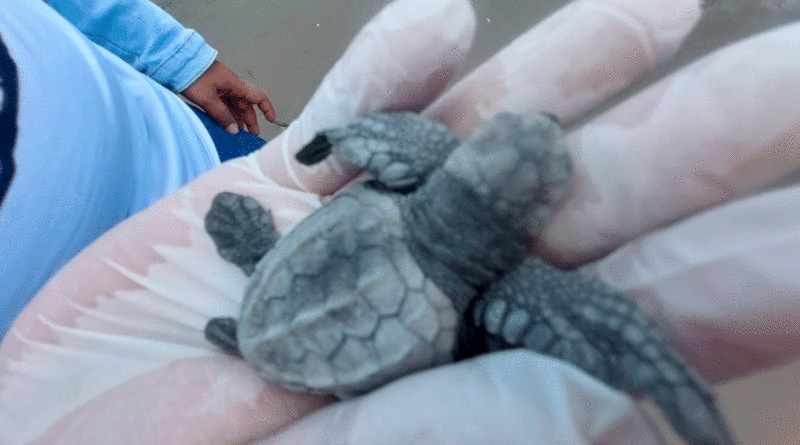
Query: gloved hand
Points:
[112, 350]
[510, 397]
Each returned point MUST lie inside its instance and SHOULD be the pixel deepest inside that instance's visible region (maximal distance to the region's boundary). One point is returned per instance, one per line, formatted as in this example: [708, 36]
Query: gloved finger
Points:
[723, 127]
[221, 400]
[402, 59]
[131, 308]
[512, 397]
[724, 282]
[571, 62]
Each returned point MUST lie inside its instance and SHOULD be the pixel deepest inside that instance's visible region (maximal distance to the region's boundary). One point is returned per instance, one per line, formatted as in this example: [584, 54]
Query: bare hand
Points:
[229, 99]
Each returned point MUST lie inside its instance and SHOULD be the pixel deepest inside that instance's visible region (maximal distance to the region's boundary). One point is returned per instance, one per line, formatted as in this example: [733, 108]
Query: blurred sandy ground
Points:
[287, 46]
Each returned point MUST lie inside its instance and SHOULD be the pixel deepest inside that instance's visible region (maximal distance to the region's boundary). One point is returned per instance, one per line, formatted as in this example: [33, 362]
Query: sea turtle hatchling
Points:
[427, 264]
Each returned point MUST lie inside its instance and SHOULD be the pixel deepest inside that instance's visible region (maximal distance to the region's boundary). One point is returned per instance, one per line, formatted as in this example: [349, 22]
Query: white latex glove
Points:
[726, 281]
[510, 397]
[111, 350]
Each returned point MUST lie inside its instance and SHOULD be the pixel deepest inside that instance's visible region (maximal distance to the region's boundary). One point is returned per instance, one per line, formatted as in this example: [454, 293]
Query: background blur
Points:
[287, 46]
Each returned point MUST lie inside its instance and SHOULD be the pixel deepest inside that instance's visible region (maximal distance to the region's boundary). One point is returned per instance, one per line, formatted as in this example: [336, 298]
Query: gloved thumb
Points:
[401, 60]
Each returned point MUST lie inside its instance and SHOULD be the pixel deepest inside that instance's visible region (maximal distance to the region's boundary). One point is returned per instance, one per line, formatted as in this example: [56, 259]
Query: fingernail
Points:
[232, 129]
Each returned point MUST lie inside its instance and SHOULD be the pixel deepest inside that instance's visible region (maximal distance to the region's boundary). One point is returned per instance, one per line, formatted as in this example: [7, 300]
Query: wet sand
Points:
[286, 47]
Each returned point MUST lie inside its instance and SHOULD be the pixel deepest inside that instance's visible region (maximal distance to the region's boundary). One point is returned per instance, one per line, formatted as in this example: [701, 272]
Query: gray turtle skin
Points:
[399, 149]
[584, 322]
[427, 264]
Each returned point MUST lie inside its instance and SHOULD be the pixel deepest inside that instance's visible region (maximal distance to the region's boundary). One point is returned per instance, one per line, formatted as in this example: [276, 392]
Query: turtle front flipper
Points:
[222, 333]
[241, 229]
[584, 322]
[398, 149]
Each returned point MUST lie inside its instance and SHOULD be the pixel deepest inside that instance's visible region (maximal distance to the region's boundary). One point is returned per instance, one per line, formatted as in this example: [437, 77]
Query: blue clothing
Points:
[229, 146]
[96, 140]
[144, 35]
[163, 49]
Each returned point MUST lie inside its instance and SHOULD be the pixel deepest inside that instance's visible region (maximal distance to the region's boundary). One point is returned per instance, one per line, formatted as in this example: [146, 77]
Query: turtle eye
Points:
[552, 117]
[378, 186]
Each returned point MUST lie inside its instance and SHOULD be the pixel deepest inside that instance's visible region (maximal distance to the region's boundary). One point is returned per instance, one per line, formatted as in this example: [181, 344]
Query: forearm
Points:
[143, 35]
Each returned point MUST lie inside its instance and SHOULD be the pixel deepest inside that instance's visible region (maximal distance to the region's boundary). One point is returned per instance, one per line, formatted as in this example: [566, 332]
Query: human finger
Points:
[266, 107]
[257, 97]
[511, 397]
[569, 63]
[401, 60]
[725, 126]
[221, 113]
[249, 118]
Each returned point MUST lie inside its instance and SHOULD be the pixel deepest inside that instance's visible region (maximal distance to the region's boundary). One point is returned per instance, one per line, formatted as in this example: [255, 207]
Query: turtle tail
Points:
[689, 406]
[221, 332]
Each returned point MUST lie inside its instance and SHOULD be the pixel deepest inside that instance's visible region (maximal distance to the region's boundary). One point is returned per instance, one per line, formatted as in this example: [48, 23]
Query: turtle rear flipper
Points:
[584, 322]
[222, 333]
[399, 149]
[241, 229]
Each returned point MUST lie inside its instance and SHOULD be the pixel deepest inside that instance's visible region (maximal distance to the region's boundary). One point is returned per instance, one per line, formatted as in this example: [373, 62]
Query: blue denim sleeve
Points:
[143, 35]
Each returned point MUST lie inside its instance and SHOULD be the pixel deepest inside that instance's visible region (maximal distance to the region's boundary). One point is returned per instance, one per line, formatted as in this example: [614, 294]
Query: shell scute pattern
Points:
[354, 361]
[340, 283]
[420, 316]
[380, 283]
[343, 297]
[356, 319]
[310, 257]
[317, 371]
[323, 337]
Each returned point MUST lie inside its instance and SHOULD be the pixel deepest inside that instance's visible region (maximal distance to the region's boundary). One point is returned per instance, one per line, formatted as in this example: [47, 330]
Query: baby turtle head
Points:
[517, 164]
[472, 220]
